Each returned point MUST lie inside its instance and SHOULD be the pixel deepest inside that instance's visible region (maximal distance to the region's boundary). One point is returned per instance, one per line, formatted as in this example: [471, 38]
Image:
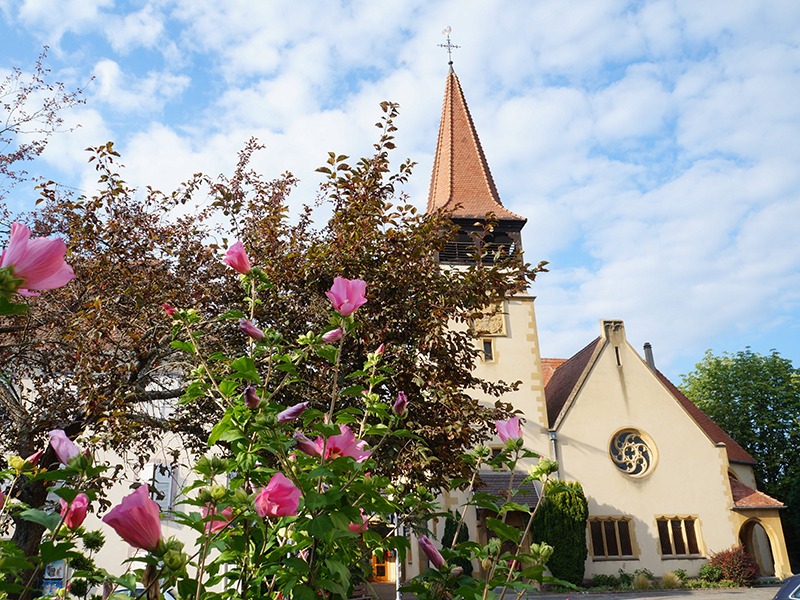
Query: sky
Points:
[654, 146]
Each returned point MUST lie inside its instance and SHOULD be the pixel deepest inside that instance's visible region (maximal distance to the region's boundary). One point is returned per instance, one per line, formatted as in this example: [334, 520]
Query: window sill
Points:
[613, 558]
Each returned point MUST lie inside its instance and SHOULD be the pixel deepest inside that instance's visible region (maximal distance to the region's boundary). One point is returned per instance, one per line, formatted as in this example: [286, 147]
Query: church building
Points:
[666, 486]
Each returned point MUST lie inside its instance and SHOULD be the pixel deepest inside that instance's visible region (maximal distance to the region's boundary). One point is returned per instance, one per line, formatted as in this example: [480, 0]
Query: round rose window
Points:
[631, 452]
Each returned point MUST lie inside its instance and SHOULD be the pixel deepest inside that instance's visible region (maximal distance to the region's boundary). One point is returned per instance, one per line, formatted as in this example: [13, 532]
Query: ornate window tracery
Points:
[631, 452]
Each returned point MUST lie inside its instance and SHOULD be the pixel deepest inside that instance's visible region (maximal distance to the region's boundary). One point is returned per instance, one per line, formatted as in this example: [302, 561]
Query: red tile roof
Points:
[564, 379]
[735, 452]
[746, 497]
[460, 171]
[561, 382]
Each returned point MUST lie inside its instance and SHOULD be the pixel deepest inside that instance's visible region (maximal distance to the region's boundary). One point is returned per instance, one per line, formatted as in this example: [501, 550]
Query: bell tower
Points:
[462, 183]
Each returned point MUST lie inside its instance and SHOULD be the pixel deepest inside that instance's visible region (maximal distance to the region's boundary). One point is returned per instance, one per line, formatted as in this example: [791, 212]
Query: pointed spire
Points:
[460, 172]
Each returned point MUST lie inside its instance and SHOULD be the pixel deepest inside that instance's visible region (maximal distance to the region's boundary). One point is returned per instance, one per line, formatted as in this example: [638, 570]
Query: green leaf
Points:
[51, 552]
[181, 345]
[303, 592]
[220, 429]
[246, 369]
[47, 520]
[321, 527]
[9, 308]
[513, 506]
[11, 563]
[229, 387]
[503, 530]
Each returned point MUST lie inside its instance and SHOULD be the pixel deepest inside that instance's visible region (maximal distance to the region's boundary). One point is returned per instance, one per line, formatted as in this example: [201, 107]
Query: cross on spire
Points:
[449, 45]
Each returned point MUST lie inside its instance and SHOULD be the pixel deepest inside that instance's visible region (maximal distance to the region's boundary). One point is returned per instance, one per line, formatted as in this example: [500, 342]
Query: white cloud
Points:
[125, 93]
[139, 29]
[51, 19]
[653, 146]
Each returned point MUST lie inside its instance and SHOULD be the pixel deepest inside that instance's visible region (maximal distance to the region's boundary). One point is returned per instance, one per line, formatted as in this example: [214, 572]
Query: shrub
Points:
[625, 579]
[642, 582]
[709, 572]
[736, 565]
[463, 536]
[671, 580]
[561, 522]
[608, 581]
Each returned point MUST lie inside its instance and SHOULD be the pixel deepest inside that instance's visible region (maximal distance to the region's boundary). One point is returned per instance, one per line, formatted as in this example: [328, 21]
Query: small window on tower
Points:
[488, 351]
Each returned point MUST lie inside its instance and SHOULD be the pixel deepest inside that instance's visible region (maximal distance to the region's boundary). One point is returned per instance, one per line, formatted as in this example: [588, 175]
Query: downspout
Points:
[554, 450]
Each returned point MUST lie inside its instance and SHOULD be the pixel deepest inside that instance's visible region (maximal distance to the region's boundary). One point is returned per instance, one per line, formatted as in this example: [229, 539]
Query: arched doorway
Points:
[756, 542]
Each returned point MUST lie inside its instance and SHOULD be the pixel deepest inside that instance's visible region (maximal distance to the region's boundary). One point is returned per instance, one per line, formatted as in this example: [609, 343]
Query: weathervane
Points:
[449, 45]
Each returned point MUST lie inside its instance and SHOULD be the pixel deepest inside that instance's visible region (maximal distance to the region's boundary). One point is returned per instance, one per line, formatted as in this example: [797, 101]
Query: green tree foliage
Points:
[756, 399]
[561, 522]
[450, 524]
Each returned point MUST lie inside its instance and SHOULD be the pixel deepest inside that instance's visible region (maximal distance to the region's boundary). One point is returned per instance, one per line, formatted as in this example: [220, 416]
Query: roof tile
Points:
[461, 173]
[747, 497]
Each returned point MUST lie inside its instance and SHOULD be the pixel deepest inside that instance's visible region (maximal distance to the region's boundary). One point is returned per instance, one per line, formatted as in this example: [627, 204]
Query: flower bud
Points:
[334, 335]
[291, 413]
[251, 330]
[175, 560]
[251, 397]
[34, 458]
[401, 404]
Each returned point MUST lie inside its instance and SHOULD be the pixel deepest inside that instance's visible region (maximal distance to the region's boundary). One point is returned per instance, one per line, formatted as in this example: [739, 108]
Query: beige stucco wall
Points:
[517, 358]
[689, 478]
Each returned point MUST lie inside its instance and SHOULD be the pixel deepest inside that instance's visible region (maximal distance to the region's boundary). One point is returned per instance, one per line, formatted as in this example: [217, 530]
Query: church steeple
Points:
[462, 183]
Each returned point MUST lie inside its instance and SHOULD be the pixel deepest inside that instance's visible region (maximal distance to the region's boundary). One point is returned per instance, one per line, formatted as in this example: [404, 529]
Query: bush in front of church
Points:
[561, 522]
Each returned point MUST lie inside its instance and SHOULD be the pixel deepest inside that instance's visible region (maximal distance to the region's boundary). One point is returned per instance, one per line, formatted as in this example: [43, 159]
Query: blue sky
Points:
[653, 145]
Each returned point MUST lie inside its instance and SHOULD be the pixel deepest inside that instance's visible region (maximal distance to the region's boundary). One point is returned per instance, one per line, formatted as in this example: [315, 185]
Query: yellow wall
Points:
[689, 478]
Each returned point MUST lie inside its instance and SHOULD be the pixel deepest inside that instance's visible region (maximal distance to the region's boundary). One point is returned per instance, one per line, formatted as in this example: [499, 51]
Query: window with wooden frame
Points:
[678, 536]
[611, 537]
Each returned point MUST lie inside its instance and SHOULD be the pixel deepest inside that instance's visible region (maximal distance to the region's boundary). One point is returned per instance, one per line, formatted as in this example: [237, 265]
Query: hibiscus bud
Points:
[251, 397]
[64, 447]
[401, 404]
[347, 295]
[308, 446]
[74, 513]
[34, 458]
[291, 413]
[217, 491]
[334, 335]
[434, 556]
[174, 556]
[251, 330]
[236, 258]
